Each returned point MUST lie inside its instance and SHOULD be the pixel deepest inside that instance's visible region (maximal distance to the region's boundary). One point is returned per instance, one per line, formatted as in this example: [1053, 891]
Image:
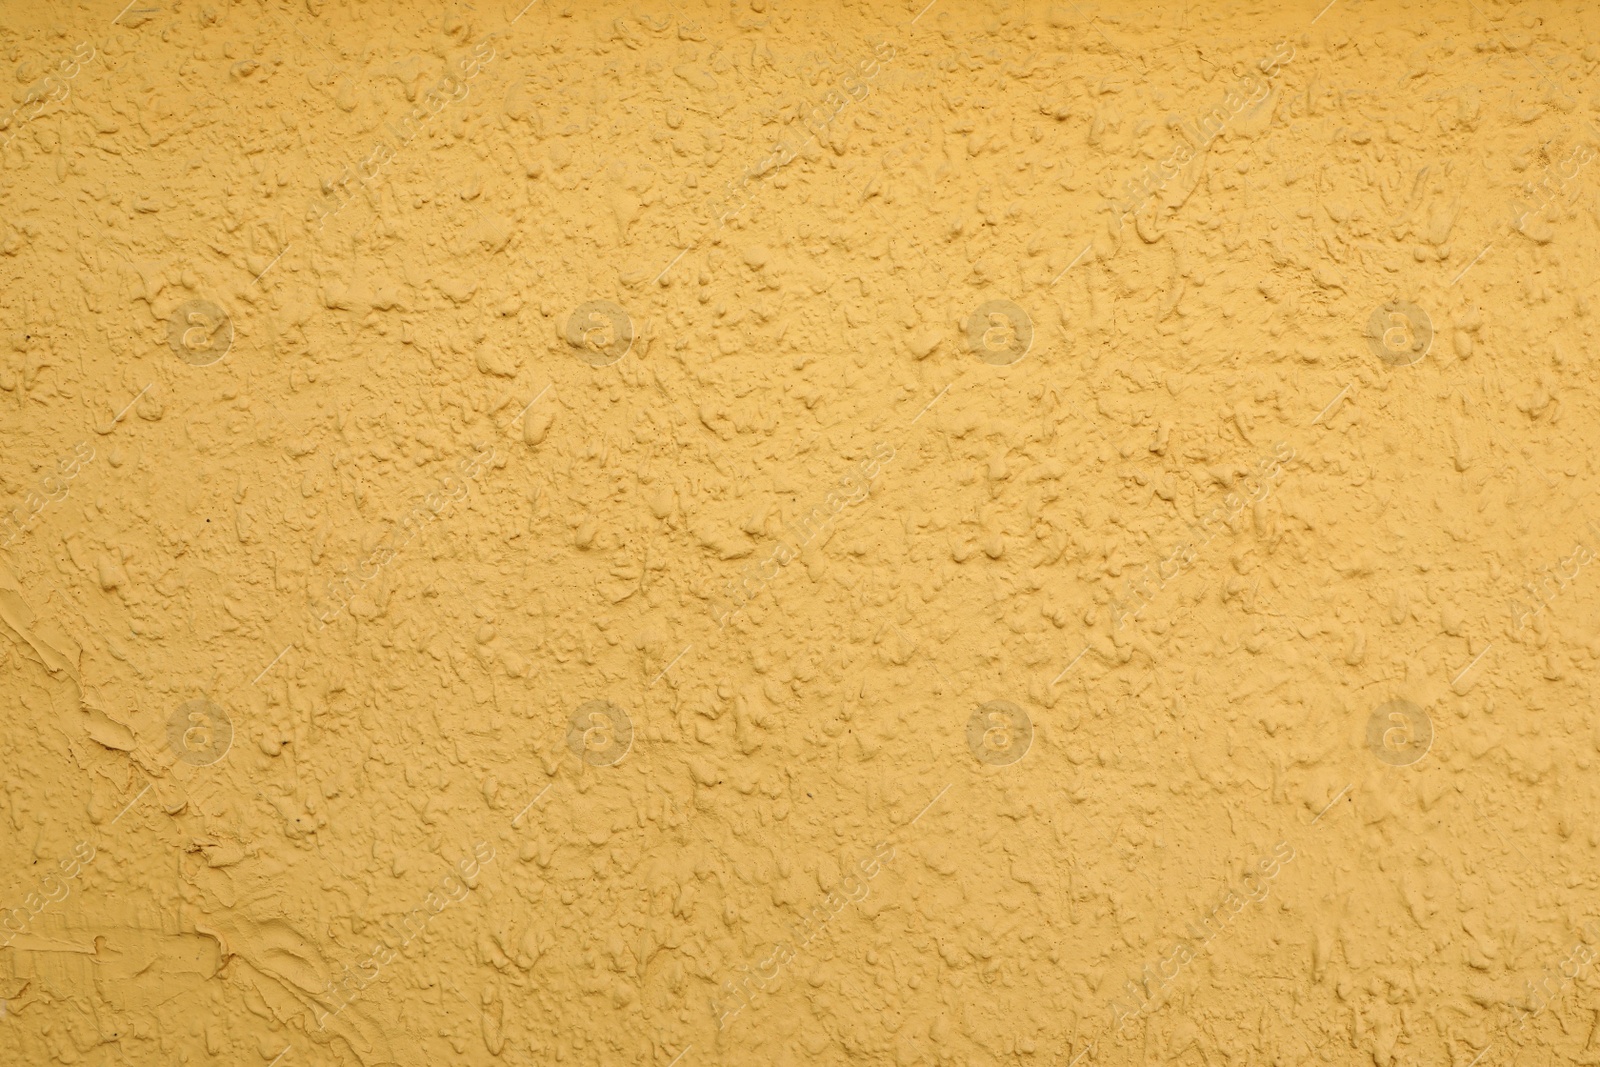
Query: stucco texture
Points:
[790, 533]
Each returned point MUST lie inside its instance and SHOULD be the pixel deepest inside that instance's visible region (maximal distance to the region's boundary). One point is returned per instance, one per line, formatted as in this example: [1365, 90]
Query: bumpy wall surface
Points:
[787, 532]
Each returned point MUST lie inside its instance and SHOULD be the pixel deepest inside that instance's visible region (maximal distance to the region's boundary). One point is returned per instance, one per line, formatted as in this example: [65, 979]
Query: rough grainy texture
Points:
[795, 532]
